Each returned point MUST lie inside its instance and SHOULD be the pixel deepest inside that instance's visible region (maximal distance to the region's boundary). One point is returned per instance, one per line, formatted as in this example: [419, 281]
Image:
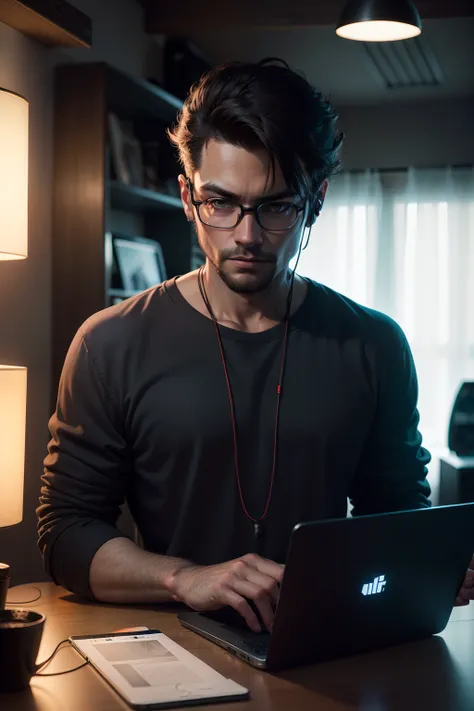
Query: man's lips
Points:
[249, 260]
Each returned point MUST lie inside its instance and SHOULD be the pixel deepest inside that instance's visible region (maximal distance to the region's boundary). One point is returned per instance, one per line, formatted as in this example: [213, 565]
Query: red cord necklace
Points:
[257, 522]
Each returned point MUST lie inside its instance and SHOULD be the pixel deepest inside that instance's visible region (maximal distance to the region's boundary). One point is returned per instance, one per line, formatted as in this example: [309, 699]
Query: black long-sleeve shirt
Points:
[143, 414]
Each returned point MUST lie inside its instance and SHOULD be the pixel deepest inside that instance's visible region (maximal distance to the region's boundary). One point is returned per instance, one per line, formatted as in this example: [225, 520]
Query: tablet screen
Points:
[149, 668]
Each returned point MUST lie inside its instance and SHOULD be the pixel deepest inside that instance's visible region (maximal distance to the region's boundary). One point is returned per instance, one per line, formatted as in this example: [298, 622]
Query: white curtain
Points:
[342, 250]
[403, 243]
[434, 287]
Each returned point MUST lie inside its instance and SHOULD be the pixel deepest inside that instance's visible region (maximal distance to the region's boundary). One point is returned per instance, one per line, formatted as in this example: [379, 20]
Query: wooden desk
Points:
[433, 675]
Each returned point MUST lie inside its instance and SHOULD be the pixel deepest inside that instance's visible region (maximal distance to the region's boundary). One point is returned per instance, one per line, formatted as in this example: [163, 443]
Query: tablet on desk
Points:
[149, 670]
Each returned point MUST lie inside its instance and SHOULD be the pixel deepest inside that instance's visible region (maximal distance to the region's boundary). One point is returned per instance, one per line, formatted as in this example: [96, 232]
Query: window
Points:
[403, 243]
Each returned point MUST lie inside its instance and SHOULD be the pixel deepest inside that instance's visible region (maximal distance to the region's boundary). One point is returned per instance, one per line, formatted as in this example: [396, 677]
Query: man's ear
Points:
[323, 190]
[317, 204]
[186, 198]
[321, 197]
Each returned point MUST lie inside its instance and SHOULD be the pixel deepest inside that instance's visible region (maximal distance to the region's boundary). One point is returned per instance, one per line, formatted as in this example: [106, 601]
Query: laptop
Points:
[354, 585]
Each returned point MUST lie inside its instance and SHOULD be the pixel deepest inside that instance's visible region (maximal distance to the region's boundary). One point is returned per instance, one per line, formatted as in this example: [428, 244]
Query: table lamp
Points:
[12, 447]
[14, 119]
[14, 110]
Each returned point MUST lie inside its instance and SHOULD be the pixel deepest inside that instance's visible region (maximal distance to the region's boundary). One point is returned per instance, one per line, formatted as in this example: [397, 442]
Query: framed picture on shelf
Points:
[139, 261]
[126, 150]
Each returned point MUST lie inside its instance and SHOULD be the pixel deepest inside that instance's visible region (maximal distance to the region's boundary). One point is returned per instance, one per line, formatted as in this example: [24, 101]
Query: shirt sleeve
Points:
[391, 475]
[85, 473]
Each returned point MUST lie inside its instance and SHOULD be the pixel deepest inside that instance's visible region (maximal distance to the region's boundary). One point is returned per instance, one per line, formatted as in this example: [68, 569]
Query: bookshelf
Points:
[137, 199]
[91, 203]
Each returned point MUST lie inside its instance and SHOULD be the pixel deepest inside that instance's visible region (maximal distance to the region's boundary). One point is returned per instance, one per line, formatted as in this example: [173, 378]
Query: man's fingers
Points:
[469, 579]
[266, 584]
[232, 598]
[266, 566]
[260, 598]
[460, 602]
[266, 611]
[466, 592]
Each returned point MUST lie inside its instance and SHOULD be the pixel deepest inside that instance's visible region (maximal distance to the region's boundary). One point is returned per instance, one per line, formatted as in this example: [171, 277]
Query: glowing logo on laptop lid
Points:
[376, 587]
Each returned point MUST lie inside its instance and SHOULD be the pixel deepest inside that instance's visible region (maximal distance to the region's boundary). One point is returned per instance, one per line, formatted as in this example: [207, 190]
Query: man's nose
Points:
[248, 231]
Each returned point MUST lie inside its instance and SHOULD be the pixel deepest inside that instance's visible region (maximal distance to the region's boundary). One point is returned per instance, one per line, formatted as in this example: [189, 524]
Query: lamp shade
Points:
[14, 111]
[12, 442]
[379, 20]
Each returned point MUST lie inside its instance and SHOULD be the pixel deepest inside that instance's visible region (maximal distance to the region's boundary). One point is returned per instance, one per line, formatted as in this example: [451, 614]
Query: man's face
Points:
[247, 257]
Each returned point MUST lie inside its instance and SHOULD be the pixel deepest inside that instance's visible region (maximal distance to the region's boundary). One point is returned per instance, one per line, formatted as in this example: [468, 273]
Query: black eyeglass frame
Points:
[243, 211]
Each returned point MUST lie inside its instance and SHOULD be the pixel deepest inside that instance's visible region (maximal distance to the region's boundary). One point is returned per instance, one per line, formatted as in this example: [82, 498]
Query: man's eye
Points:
[278, 208]
[220, 204]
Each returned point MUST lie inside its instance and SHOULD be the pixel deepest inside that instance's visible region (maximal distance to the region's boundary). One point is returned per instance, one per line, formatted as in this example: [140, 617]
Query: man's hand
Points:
[466, 593]
[206, 588]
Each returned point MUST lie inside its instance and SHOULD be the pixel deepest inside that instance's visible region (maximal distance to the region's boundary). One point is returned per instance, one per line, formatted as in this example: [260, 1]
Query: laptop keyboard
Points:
[229, 617]
[256, 643]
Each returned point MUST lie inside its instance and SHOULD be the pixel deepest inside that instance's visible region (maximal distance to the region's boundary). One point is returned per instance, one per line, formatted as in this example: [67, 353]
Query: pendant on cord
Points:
[257, 529]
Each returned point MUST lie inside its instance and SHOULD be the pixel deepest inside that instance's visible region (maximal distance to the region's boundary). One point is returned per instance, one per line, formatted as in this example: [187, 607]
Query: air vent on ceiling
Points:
[410, 63]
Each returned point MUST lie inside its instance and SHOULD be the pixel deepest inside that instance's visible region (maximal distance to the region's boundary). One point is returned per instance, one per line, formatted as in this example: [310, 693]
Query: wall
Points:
[422, 134]
[27, 68]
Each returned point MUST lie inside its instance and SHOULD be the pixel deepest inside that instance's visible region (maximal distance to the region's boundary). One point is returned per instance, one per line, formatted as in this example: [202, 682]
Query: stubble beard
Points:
[254, 284]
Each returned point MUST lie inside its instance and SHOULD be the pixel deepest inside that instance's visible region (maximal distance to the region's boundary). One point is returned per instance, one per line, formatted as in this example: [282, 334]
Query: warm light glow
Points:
[378, 31]
[12, 442]
[13, 176]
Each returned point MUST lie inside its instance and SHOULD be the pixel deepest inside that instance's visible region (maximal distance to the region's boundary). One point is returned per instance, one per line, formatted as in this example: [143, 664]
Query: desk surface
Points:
[436, 674]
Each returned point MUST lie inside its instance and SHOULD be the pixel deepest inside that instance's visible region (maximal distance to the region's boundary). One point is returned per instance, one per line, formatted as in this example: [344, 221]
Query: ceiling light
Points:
[379, 20]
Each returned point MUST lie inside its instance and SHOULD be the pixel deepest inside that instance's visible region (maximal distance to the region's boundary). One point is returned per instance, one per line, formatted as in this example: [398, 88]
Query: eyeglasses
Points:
[225, 214]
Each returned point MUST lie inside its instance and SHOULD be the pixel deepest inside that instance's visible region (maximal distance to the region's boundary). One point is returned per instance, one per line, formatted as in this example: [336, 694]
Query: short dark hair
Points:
[263, 105]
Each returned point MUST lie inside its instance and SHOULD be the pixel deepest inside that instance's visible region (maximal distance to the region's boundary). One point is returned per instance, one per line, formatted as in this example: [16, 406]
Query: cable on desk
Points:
[66, 671]
[42, 665]
[24, 602]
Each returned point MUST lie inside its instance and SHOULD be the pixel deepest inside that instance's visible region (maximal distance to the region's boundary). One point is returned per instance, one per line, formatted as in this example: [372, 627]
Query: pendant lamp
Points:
[379, 20]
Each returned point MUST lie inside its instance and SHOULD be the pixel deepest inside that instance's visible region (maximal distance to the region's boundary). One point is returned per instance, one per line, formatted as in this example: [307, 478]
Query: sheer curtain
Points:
[403, 243]
[433, 288]
[342, 250]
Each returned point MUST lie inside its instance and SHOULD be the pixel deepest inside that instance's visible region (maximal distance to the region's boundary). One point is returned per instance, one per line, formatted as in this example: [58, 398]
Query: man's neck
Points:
[247, 312]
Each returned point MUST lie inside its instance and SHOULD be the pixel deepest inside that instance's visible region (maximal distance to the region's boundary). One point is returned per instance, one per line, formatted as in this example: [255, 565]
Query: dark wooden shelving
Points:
[87, 202]
[55, 23]
[138, 98]
[136, 199]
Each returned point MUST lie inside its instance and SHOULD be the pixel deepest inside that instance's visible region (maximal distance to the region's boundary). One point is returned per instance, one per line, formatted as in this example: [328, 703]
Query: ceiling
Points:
[186, 16]
[302, 33]
[345, 70]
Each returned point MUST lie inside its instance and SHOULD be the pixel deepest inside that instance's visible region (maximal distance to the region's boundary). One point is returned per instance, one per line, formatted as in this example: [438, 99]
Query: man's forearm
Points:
[121, 572]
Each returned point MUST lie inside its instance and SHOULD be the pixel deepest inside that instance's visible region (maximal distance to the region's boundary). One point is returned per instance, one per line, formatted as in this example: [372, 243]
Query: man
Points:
[231, 403]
